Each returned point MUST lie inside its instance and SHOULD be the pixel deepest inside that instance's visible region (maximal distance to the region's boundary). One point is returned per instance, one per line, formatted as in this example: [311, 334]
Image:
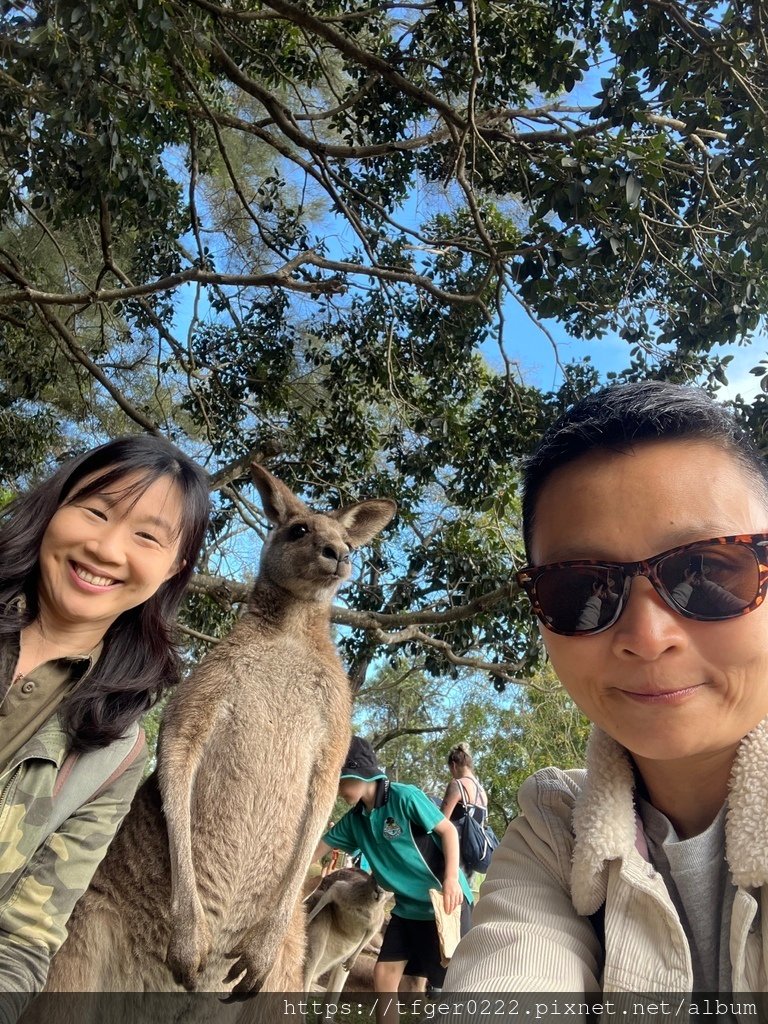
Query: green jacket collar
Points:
[50, 743]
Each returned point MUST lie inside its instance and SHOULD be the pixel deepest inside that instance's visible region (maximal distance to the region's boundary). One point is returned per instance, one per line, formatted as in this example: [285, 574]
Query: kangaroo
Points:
[200, 888]
[346, 910]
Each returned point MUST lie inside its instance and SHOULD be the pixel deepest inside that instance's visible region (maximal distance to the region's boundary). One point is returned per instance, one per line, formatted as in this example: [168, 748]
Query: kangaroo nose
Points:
[336, 556]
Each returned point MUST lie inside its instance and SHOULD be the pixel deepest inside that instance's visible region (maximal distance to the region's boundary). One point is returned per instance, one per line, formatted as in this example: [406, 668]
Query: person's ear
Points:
[175, 568]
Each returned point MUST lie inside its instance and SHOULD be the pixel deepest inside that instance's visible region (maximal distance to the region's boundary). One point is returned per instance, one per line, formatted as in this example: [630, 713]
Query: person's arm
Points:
[682, 592]
[449, 838]
[526, 935]
[339, 837]
[33, 916]
[590, 613]
[451, 798]
[320, 852]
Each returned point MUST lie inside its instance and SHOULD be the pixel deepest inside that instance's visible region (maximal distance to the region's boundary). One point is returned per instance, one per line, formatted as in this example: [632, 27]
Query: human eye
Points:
[149, 536]
[95, 511]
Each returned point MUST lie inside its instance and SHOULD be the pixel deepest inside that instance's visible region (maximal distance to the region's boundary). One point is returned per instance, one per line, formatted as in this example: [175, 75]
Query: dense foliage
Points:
[414, 720]
[295, 231]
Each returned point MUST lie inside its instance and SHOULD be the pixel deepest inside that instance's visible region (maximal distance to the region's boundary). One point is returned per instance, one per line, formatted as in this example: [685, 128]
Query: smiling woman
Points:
[106, 552]
[93, 565]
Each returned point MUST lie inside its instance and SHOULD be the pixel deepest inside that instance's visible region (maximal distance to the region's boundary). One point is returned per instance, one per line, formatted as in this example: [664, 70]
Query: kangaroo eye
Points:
[297, 531]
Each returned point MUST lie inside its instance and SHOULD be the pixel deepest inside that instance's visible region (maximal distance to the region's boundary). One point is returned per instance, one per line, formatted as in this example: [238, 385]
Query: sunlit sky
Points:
[527, 344]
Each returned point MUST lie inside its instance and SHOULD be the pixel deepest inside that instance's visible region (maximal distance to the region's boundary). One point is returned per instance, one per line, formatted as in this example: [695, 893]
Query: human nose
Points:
[108, 545]
[647, 627]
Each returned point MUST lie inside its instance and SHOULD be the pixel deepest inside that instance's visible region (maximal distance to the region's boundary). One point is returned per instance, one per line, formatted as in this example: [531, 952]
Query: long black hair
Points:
[139, 659]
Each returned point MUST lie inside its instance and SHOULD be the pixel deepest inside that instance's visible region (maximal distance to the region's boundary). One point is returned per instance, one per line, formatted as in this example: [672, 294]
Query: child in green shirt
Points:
[412, 848]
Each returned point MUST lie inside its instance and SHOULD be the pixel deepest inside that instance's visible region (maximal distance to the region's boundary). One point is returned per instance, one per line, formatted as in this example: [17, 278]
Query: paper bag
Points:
[448, 926]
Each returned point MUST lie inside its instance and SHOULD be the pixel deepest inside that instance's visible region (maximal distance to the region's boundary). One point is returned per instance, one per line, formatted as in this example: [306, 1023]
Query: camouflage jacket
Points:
[58, 814]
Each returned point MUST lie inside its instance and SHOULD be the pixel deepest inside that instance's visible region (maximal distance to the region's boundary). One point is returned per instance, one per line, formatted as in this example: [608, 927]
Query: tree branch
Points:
[237, 593]
[278, 279]
[365, 58]
[506, 670]
[72, 346]
[379, 741]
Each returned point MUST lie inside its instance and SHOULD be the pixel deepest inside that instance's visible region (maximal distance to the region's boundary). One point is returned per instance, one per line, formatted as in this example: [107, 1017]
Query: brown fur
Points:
[345, 912]
[248, 766]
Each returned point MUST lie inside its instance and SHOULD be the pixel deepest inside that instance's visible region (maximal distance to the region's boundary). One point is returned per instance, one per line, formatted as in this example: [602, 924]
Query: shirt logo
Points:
[391, 829]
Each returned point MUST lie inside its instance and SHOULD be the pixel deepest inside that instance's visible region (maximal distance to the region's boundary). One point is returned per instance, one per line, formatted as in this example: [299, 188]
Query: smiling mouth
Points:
[662, 697]
[92, 578]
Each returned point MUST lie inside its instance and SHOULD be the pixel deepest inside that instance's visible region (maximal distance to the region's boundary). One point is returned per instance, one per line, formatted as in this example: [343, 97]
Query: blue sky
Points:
[526, 343]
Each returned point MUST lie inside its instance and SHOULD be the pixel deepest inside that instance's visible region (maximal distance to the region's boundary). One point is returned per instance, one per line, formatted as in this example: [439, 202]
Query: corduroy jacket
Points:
[578, 849]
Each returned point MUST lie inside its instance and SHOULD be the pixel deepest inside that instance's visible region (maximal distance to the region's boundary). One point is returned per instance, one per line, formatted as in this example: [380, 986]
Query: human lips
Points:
[90, 578]
[661, 696]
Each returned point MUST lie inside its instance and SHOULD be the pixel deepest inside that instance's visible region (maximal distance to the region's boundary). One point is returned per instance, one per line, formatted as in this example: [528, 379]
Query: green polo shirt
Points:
[397, 838]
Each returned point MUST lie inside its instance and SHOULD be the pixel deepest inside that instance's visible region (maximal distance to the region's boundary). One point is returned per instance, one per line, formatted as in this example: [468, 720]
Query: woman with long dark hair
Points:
[93, 565]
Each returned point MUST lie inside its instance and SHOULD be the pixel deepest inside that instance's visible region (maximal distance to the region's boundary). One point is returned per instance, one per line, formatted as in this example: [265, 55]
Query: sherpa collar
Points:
[607, 827]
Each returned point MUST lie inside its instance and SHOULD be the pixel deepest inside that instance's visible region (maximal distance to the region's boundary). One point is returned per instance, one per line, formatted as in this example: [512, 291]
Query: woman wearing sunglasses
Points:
[645, 516]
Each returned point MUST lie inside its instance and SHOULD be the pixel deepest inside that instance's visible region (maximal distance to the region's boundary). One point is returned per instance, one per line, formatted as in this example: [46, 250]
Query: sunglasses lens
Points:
[579, 599]
[711, 581]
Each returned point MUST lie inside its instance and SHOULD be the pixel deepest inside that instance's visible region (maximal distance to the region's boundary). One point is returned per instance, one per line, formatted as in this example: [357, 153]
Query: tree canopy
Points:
[413, 721]
[295, 232]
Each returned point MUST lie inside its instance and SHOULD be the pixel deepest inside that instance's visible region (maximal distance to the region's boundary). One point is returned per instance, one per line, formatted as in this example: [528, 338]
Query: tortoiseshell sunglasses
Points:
[709, 580]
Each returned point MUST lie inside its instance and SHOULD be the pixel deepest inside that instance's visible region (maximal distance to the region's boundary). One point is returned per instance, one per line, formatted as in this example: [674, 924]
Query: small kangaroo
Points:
[201, 885]
[348, 911]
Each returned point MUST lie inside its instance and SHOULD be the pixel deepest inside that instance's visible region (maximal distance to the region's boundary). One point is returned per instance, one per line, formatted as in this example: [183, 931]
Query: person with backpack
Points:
[465, 797]
[411, 848]
[94, 562]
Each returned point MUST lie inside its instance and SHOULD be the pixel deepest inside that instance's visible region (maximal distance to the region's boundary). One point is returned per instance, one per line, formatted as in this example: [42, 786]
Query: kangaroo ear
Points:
[363, 520]
[279, 502]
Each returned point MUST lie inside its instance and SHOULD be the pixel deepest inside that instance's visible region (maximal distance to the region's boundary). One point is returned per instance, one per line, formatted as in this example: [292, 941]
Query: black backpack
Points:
[477, 840]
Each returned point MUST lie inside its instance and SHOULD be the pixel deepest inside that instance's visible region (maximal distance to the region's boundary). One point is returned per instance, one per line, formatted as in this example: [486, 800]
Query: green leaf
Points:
[633, 190]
